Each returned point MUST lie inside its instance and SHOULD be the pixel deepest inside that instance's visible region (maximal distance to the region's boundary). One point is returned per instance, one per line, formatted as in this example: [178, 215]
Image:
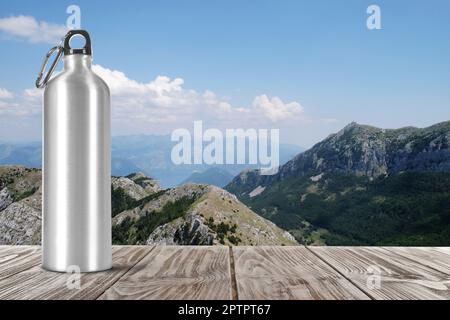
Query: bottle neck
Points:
[77, 62]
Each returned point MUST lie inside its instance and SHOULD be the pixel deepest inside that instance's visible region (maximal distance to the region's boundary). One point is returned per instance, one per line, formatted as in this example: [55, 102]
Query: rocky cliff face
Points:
[362, 185]
[143, 213]
[217, 217]
[135, 186]
[195, 214]
[20, 205]
[364, 151]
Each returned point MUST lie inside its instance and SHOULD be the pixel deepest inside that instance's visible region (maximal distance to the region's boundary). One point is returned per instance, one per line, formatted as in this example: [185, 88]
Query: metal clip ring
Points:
[59, 49]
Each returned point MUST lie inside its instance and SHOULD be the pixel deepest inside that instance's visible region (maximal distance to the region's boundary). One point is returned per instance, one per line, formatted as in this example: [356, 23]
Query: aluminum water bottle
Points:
[76, 232]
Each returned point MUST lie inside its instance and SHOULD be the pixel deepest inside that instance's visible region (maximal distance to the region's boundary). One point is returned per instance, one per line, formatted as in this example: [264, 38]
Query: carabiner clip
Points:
[59, 50]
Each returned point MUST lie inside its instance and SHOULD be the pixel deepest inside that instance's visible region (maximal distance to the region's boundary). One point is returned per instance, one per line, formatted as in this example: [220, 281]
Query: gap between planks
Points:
[342, 274]
[289, 273]
[406, 270]
[233, 281]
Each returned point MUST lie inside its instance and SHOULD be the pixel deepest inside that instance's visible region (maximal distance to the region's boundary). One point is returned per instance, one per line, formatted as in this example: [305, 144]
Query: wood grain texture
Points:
[15, 259]
[37, 283]
[400, 277]
[288, 273]
[445, 250]
[184, 272]
[435, 258]
[169, 272]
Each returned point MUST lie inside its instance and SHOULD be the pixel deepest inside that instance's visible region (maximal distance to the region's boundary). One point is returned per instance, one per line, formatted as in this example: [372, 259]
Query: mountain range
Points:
[360, 186]
[150, 154]
[143, 213]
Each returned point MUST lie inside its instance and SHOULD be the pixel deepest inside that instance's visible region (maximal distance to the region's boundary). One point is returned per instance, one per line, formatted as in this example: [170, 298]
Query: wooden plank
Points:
[37, 283]
[445, 250]
[400, 277]
[174, 272]
[288, 273]
[435, 258]
[15, 259]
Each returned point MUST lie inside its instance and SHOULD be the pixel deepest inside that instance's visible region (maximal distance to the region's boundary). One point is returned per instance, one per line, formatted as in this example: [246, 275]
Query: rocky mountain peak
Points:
[143, 213]
[198, 215]
[364, 150]
[362, 185]
[353, 126]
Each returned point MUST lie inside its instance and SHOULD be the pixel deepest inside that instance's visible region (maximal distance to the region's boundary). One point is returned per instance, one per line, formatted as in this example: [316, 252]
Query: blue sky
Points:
[317, 59]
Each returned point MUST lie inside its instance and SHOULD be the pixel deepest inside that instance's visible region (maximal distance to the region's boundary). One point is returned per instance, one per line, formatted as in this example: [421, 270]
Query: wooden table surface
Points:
[200, 272]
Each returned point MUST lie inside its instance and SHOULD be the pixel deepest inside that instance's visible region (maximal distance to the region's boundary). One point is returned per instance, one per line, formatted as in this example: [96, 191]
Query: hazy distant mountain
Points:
[27, 154]
[143, 213]
[214, 176]
[362, 185]
[150, 154]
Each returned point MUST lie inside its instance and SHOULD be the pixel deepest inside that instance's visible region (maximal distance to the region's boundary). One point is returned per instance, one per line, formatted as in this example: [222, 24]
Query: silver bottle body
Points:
[76, 230]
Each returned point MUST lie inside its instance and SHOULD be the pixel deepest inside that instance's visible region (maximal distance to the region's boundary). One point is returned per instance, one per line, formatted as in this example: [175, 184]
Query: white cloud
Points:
[275, 109]
[5, 94]
[33, 95]
[167, 101]
[28, 28]
[160, 101]
[162, 91]
[27, 104]
[162, 105]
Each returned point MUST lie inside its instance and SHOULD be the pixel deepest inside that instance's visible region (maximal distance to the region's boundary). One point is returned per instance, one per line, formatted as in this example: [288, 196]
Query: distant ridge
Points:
[213, 176]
